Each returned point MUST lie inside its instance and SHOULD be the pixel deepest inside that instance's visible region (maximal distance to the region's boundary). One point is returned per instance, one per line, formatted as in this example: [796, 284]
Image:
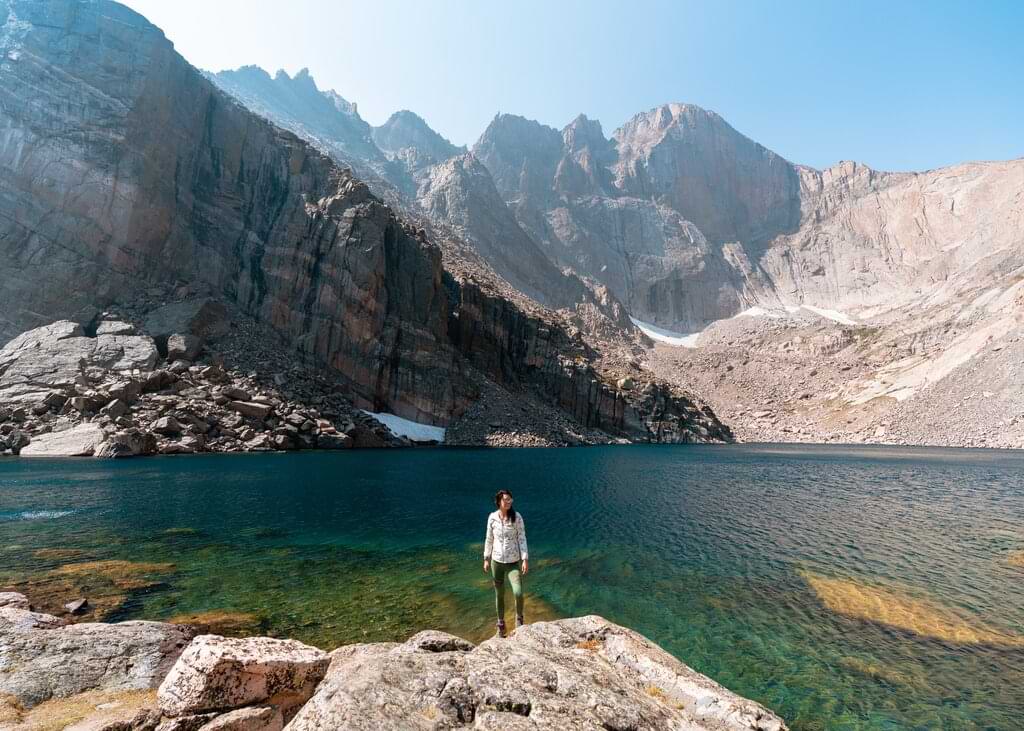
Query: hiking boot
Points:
[501, 629]
[520, 621]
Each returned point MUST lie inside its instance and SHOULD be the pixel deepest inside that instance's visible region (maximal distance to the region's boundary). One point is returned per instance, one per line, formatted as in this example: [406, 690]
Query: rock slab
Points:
[79, 441]
[216, 673]
[41, 658]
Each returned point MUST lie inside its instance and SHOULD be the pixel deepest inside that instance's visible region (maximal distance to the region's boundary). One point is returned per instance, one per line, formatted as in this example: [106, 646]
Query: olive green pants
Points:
[498, 572]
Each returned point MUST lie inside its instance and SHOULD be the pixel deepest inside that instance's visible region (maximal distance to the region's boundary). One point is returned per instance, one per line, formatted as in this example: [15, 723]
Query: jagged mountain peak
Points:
[646, 129]
[513, 128]
[406, 130]
[249, 70]
[584, 132]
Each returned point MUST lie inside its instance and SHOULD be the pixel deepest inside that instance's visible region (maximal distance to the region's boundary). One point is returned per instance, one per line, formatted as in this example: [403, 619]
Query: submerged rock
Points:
[919, 616]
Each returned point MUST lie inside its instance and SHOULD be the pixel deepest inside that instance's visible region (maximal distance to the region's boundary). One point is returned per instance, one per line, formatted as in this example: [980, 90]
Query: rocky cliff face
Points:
[618, 210]
[461, 193]
[869, 238]
[124, 167]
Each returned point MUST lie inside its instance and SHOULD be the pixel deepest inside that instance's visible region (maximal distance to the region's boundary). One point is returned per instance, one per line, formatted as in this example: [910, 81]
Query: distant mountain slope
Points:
[324, 118]
[689, 221]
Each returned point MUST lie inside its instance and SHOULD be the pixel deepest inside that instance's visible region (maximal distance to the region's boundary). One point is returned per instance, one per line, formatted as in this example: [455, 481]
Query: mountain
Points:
[406, 134]
[595, 207]
[688, 221]
[125, 168]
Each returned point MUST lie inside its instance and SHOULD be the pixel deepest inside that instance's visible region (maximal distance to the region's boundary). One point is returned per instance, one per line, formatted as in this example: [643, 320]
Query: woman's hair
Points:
[497, 502]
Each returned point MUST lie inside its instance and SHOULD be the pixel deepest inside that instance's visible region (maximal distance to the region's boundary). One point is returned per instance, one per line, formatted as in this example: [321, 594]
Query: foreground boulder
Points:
[217, 673]
[581, 673]
[42, 658]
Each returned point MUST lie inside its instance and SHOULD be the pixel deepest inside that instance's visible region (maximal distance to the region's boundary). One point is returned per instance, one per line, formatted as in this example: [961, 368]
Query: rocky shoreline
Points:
[179, 373]
[579, 673]
[110, 391]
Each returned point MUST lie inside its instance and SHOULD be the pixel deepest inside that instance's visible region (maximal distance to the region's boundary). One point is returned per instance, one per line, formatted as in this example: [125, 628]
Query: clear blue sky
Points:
[899, 85]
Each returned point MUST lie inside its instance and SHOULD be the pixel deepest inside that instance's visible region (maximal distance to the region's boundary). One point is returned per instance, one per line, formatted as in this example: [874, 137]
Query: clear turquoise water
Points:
[710, 551]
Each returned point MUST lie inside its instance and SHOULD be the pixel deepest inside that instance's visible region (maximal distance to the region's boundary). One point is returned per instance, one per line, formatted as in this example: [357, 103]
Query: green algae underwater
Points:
[845, 588]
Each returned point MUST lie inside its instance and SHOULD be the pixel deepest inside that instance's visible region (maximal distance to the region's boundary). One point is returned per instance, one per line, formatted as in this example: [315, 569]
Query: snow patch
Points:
[407, 428]
[759, 312]
[685, 340]
[836, 315]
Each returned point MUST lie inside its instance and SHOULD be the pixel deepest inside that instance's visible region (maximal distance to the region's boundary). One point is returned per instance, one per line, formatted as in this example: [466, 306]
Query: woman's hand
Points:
[487, 565]
[526, 567]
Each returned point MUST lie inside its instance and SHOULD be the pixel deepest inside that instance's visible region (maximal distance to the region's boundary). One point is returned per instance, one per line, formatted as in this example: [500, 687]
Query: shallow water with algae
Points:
[846, 588]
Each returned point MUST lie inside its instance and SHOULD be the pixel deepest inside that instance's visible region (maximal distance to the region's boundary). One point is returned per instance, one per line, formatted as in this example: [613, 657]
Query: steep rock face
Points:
[587, 155]
[460, 191]
[122, 165]
[596, 207]
[730, 187]
[431, 176]
[875, 239]
[522, 156]
[438, 181]
[406, 134]
[518, 349]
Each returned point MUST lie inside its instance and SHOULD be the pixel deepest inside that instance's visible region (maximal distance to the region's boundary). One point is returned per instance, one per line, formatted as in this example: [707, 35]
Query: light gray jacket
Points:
[505, 542]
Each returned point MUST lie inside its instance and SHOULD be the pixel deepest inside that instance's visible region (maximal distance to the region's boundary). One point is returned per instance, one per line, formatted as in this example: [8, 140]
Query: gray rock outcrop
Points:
[578, 673]
[41, 658]
[55, 358]
[571, 674]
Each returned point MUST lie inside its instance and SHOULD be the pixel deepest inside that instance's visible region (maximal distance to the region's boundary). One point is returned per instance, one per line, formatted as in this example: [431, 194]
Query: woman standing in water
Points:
[504, 548]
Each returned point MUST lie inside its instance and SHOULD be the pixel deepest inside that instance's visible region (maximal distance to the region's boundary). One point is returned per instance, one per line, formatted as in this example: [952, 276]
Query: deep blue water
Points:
[846, 588]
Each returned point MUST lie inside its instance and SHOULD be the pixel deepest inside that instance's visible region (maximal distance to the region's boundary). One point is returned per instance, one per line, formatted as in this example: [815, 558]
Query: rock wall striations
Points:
[124, 166]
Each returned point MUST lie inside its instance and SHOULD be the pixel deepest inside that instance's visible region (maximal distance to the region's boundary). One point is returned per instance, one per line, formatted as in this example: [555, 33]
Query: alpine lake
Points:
[843, 587]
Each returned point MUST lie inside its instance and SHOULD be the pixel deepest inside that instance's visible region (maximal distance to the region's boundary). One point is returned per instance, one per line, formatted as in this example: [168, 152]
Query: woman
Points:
[504, 548]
